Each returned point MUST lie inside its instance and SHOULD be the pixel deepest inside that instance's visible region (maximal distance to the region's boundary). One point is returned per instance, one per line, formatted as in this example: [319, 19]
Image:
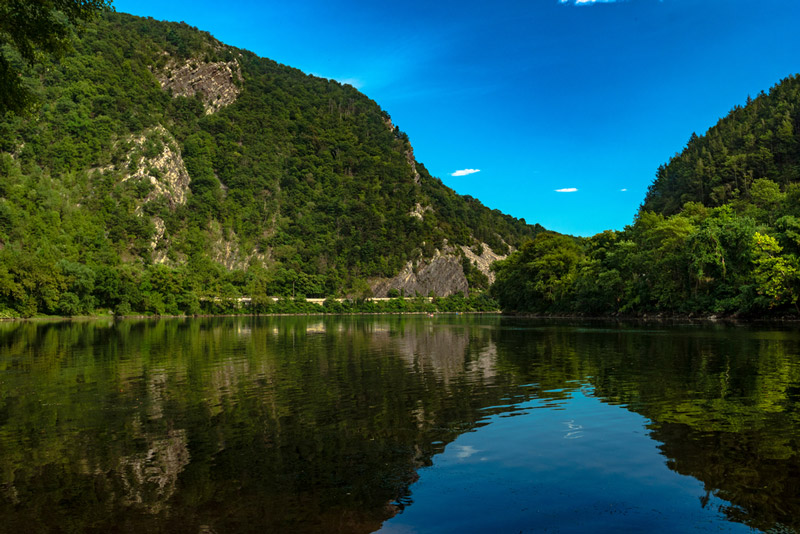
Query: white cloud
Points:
[464, 172]
[567, 190]
[623, 189]
[588, 2]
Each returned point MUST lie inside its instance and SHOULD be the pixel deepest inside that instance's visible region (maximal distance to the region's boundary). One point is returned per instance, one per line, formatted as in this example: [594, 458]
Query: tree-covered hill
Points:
[162, 167]
[718, 233]
[758, 140]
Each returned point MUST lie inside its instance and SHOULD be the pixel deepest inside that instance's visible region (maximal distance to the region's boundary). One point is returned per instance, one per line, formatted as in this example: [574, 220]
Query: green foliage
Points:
[776, 276]
[718, 233]
[730, 162]
[31, 28]
[538, 277]
[300, 186]
[705, 262]
[475, 277]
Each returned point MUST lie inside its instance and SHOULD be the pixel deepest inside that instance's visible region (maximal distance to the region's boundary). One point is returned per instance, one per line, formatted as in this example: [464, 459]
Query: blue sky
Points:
[587, 97]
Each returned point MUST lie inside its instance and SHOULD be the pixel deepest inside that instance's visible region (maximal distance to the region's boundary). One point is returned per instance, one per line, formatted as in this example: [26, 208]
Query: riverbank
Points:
[663, 318]
[301, 306]
[57, 318]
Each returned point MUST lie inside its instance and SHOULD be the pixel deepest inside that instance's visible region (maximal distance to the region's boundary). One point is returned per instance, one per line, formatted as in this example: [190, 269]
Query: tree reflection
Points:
[723, 401]
[320, 425]
[289, 424]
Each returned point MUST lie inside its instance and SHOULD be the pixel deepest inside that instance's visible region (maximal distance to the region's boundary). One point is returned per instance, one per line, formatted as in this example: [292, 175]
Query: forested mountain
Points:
[758, 140]
[718, 233]
[163, 167]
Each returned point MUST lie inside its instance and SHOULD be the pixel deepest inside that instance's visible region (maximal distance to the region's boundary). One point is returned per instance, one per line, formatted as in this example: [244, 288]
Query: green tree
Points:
[540, 276]
[776, 276]
[28, 28]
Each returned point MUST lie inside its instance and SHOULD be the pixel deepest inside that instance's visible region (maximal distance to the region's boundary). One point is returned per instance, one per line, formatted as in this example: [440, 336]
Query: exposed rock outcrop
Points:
[419, 211]
[214, 82]
[155, 158]
[483, 261]
[225, 247]
[443, 275]
[412, 163]
[159, 252]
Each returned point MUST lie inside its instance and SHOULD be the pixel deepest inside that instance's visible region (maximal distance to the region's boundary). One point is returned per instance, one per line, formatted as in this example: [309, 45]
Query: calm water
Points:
[405, 424]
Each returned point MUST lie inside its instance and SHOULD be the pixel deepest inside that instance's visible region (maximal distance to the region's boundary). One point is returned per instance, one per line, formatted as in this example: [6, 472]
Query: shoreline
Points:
[659, 318]
[63, 318]
[662, 319]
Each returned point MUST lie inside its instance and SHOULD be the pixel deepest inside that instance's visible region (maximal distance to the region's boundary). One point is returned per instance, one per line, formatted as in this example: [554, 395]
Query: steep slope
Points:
[759, 140]
[164, 166]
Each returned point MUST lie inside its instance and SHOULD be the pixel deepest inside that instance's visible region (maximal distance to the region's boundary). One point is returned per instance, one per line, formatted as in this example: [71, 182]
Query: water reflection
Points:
[324, 424]
[722, 401]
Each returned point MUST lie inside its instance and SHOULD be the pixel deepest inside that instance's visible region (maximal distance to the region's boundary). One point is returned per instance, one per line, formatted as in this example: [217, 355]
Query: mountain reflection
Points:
[321, 424]
[229, 425]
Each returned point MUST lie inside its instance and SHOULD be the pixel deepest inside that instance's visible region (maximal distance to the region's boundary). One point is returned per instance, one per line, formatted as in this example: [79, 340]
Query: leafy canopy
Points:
[29, 28]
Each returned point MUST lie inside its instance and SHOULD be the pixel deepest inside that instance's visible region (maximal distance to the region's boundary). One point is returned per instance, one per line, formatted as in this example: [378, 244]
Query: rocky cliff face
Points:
[419, 211]
[154, 161]
[443, 274]
[214, 82]
[155, 158]
[483, 261]
[412, 162]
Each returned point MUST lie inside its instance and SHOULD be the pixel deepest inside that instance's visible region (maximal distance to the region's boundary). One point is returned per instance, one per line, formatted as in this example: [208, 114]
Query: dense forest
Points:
[163, 172]
[161, 168]
[757, 140]
[718, 233]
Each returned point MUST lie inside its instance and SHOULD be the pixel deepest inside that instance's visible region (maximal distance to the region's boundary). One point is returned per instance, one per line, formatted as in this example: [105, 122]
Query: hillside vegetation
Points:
[758, 140]
[163, 168]
[718, 233]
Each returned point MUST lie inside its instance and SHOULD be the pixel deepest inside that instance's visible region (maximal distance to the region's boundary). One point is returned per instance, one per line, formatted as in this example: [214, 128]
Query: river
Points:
[400, 424]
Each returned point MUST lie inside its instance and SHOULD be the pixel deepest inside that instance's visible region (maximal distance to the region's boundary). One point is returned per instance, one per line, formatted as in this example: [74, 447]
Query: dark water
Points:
[406, 424]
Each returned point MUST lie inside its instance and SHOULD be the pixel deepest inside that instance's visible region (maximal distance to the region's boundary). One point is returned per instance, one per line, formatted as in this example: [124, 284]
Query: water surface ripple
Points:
[399, 424]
